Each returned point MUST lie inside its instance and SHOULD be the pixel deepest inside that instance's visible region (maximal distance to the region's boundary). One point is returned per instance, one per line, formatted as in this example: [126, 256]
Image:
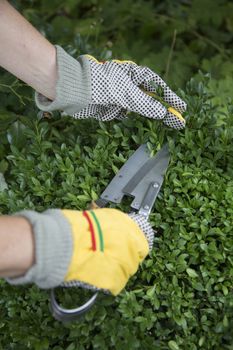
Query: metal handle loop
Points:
[67, 315]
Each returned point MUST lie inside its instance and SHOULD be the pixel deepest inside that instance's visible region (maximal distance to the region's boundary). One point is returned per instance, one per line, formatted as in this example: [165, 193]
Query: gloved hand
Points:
[107, 90]
[96, 249]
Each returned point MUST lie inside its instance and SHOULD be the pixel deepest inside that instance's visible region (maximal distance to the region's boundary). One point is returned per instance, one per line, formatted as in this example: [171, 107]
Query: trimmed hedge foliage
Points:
[182, 297]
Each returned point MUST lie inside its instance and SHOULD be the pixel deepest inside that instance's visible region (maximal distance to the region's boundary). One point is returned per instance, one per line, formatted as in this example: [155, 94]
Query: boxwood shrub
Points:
[182, 296]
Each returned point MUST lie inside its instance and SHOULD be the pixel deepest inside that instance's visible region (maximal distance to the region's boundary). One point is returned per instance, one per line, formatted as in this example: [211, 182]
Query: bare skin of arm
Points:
[16, 246]
[25, 53]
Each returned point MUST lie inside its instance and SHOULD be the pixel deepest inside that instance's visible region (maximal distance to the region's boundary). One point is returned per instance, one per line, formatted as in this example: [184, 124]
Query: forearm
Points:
[25, 52]
[16, 246]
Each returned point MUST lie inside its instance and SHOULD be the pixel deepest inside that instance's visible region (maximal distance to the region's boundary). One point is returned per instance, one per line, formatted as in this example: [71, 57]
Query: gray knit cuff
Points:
[73, 88]
[53, 248]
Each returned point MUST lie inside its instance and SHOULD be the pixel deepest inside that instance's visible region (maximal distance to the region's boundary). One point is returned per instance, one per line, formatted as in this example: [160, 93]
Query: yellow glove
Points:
[96, 249]
[108, 247]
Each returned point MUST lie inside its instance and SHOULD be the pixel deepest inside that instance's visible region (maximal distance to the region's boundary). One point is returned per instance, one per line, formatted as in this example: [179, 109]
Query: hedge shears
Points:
[140, 178]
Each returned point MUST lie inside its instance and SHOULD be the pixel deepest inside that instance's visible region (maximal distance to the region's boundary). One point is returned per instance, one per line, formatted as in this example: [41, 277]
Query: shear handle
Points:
[68, 315]
[149, 199]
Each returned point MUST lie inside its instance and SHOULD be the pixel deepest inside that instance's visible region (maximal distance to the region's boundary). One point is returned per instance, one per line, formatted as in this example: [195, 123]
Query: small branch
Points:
[170, 55]
[209, 41]
[11, 88]
[196, 34]
[14, 92]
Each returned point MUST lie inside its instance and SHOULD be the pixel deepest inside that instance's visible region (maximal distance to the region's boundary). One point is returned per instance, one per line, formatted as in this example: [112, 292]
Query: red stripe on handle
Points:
[92, 231]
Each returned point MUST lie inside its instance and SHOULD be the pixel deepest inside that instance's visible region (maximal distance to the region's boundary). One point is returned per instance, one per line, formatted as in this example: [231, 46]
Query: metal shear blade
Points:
[140, 177]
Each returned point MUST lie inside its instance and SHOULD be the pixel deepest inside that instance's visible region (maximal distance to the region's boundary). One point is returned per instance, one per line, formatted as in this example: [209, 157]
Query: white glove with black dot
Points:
[107, 90]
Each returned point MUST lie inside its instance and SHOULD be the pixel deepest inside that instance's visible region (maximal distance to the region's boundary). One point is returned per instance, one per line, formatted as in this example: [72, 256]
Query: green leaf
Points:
[192, 273]
[173, 345]
[3, 184]
[201, 341]
[151, 291]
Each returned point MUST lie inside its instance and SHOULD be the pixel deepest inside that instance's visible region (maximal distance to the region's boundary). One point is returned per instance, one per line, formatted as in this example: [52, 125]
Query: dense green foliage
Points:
[175, 38]
[182, 296]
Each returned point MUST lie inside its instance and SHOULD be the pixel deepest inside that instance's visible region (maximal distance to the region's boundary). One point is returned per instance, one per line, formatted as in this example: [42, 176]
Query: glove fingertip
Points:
[174, 122]
[174, 100]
